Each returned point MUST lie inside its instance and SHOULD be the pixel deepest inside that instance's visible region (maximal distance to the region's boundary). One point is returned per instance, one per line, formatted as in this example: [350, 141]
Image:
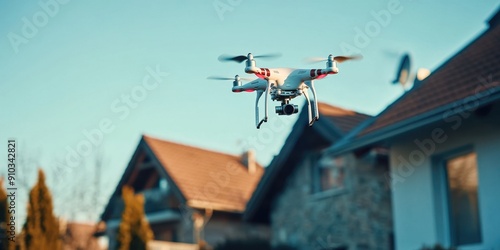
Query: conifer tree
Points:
[134, 232]
[41, 227]
[3, 217]
[5, 242]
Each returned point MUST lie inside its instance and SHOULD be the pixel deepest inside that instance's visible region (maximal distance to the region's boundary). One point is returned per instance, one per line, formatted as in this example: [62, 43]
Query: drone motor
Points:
[250, 64]
[237, 81]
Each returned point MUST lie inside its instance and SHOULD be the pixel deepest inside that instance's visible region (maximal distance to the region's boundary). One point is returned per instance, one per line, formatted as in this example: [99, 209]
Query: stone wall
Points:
[357, 217]
[219, 230]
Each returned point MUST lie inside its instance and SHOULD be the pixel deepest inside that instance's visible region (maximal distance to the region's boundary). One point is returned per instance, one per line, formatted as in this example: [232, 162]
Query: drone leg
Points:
[310, 84]
[306, 95]
[259, 94]
[266, 107]
[266, 103]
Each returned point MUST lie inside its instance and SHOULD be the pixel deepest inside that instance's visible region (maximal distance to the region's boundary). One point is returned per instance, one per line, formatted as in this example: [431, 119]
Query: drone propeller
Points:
[236, 77]
[338, 59]
[242, 58]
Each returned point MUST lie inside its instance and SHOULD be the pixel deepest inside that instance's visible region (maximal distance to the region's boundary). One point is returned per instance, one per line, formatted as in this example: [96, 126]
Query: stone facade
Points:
[219, 230]
[357, 216]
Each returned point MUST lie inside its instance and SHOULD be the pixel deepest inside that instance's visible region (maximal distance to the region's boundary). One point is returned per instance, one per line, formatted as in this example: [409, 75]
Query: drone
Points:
[282, 84]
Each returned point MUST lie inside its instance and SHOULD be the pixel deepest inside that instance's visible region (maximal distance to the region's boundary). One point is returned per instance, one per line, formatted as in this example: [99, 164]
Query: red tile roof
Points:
[207, 178]
[474, 69]
[343, 119]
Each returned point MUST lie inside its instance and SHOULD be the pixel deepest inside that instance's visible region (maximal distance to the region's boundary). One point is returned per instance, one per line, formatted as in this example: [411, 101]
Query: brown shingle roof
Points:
[343, 119]
[467, 73]
[206, 178]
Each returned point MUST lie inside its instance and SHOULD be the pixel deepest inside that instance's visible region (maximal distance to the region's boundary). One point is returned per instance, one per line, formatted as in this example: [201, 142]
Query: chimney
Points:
[248, 159]
[494, 20]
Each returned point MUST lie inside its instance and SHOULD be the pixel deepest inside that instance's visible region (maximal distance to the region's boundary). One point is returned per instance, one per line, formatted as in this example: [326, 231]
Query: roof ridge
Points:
[342, 108]
[149, 137]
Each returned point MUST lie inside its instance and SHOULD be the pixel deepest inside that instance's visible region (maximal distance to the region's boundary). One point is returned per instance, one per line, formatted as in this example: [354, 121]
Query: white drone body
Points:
[283, 84]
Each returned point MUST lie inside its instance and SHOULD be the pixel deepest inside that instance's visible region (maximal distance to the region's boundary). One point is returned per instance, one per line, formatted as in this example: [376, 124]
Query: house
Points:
[443, 138]
[187, 189]
[315, 201]
[78, 236]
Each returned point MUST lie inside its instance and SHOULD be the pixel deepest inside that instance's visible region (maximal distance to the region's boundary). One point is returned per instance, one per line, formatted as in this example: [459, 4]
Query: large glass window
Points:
[463, 203]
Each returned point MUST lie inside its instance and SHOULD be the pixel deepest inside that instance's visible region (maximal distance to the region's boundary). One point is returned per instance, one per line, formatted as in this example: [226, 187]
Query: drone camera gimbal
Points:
[287, 109]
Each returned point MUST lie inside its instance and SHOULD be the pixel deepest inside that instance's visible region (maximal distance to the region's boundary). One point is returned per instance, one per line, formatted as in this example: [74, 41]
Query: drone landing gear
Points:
[314, 104]
[259, 94]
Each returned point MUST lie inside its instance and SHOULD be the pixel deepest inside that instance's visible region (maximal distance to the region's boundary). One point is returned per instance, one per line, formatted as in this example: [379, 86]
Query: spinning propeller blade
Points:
[220, 78]
[242, 58]
[227, 58]
[270, 55]
[338, 59]
[315, 59]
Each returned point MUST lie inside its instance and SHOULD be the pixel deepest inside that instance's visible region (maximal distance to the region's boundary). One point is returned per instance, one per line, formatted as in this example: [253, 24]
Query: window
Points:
[463, 203]
[163, 185]
[332, 176]
[329, 174]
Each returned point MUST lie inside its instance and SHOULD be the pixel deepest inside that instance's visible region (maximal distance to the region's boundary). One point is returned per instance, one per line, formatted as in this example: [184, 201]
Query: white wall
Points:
[417, 216]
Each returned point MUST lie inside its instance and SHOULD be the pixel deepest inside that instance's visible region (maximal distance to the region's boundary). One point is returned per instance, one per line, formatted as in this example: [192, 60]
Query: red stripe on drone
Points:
[268, 72]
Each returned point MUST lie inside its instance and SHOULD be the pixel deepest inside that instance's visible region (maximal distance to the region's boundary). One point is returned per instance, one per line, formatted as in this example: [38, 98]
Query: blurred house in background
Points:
[79, 236]
[315, 201]
[444, 145]
[190, 193]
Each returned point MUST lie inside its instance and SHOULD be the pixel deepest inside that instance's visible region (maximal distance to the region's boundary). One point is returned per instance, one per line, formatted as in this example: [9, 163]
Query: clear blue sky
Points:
[64, 76]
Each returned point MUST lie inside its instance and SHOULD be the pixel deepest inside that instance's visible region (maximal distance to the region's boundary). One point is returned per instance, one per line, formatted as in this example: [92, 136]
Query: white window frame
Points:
[441, 198]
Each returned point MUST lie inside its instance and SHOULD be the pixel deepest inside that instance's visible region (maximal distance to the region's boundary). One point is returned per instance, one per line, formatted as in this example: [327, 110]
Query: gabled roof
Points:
[342, 119]
[334, 122]
[198, 177]
[470, 76]
[205, 177]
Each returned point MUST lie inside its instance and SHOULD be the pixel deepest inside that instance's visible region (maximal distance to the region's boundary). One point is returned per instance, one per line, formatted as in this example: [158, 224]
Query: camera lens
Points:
[288, 109]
